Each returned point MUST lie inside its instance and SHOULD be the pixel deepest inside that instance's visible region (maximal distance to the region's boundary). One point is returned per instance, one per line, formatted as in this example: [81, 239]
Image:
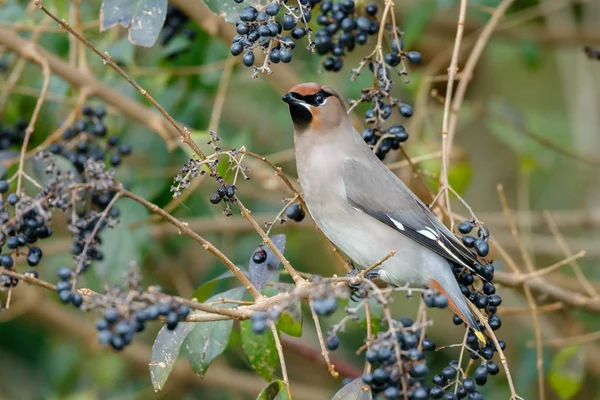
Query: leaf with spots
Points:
[165, 351]
[202, 341]
[260, 350]
[144, 19]
[274, 391]
[209, 339]
[354, 390]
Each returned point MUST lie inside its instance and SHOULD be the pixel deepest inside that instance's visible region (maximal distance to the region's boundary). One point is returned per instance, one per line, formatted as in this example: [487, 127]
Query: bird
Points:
[364, 208]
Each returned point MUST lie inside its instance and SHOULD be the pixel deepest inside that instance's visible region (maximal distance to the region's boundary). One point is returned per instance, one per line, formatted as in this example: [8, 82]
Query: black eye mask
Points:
[311, 99]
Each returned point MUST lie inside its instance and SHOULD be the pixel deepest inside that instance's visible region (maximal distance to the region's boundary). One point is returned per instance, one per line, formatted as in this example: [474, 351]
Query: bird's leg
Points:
[355, 287]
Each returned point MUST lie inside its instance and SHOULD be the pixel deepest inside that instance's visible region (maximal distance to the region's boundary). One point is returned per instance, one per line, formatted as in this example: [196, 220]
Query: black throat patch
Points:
[300, 115]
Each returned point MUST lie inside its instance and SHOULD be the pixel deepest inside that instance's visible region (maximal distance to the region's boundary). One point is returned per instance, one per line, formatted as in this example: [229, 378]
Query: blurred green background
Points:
[530, 121]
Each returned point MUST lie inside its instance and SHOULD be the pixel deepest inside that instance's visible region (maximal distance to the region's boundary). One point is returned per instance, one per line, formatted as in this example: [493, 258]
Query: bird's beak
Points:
[291, 98]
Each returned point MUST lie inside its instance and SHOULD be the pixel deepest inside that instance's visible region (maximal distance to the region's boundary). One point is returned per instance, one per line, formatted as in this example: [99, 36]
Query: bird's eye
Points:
[319, 99]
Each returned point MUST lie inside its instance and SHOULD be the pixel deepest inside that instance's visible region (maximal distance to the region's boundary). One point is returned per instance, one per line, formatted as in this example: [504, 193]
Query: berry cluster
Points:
[88, 139]
[118, 329]
[64, 288]
[482, 295]
[20, 229]
[224, 192]
[84, 226]
[344, 26]
[324, 305]
[14, 135]
[385, 139]
[128, 308]
[389, 374]
[260, 29]
[480, 244]
[174, 26]
[193, 168]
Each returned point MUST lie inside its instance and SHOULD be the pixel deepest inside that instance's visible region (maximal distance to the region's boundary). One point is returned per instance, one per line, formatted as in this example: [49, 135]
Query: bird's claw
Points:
[357, 293]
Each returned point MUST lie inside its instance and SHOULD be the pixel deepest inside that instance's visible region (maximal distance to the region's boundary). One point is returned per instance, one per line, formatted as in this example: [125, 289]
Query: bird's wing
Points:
[376, 191]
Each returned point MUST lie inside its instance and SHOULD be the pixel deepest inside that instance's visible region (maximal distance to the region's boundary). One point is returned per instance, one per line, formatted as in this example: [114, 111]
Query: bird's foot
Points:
[358, 289]
[372, 274]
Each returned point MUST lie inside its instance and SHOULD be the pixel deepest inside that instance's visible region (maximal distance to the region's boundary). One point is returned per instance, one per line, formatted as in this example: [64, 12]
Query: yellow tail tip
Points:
[480, 336]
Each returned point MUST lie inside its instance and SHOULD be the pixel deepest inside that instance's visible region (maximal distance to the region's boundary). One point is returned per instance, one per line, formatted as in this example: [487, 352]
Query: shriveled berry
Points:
[215, 198]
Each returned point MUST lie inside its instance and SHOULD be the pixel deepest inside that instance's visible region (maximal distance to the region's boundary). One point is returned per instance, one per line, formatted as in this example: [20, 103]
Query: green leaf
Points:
[122, 245]
[353, 391]
[416, 20]
[122, 51]
[209, 339]
[376, 314]
[567, 372]
[203, 341]
[260, 350]
[274, 391]
[459, 176]
[165, 351]
[203, 292]
[143, 18]
[290, 321]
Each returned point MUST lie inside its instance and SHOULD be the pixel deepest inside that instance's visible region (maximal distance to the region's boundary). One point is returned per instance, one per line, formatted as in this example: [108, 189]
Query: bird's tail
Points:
[448, 286]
